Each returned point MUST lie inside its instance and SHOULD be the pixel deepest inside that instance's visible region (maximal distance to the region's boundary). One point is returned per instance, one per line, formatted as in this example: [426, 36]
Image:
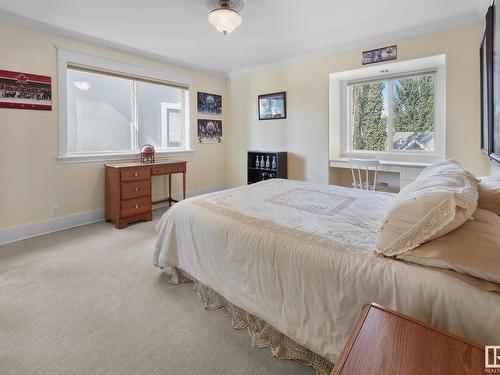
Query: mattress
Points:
[300, 257]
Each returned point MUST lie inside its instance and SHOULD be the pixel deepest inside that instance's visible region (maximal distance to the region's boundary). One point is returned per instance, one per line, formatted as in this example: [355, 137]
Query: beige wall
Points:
[31, 180]
[304, 134]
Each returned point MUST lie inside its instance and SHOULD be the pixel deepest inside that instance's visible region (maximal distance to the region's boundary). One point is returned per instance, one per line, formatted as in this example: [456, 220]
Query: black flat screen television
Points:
[486, 70]
[493, 29]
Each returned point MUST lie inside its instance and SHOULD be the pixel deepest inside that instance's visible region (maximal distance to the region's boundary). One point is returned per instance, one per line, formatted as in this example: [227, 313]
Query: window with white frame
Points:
[397, 114]
[110, 114]
[395, 111]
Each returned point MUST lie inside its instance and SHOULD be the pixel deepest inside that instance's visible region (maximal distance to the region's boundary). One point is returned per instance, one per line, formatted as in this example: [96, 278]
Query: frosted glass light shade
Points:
[224, 20]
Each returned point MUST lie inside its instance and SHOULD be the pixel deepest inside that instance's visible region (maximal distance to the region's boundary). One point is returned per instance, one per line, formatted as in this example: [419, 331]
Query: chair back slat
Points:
[368, 165]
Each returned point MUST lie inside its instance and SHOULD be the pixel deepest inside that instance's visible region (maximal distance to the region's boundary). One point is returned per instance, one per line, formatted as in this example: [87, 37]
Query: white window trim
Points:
[65, 57]
[339, 137]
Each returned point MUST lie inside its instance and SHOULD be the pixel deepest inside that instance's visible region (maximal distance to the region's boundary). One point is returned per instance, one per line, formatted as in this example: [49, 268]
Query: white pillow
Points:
[442, 198]
[447, 167]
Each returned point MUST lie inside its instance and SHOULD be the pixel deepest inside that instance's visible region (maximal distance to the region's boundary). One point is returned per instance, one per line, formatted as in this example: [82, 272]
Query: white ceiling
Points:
[272, 30]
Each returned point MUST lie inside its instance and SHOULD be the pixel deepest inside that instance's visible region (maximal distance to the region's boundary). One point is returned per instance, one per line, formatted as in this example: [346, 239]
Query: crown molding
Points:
[31, 24]
[367, 43]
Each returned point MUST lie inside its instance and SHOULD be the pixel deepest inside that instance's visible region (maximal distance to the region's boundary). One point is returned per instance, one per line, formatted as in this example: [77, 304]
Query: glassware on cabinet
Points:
[262, 163]
[268, 164]
[273, 164]
[257, 163]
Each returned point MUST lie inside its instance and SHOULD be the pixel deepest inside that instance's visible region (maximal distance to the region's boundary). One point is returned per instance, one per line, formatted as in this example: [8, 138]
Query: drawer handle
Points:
[136, 189]
[136, 206]
[136, 174]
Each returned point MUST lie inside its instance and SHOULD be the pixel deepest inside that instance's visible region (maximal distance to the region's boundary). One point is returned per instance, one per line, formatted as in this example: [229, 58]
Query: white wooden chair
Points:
[364, 175]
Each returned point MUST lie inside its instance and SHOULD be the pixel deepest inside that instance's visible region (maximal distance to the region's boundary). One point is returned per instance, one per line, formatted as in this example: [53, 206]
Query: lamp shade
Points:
[224, 20]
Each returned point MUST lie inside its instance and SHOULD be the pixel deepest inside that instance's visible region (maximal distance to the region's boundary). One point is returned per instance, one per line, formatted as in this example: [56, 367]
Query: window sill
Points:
[90, 158]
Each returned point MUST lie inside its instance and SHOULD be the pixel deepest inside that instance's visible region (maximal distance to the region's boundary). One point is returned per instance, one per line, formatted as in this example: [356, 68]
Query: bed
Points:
[299, 256]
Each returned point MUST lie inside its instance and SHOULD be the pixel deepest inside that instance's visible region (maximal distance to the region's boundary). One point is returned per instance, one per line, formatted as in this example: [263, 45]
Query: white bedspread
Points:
[300, 257]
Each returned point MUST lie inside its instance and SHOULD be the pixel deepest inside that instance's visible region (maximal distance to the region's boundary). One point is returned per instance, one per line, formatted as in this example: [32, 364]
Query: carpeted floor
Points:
[89, 301]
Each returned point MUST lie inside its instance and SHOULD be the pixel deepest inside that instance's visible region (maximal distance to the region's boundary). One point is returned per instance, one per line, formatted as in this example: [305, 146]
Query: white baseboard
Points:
[21, 232]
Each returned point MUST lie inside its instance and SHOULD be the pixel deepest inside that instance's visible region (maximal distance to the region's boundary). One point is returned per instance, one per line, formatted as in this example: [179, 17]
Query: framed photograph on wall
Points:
[379, 55]
[272, 106]
[25, 91]
[209, 104]
[486, 76]
[209, 131]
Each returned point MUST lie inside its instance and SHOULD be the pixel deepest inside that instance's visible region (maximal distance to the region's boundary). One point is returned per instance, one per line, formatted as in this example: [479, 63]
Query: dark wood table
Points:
[387, 342]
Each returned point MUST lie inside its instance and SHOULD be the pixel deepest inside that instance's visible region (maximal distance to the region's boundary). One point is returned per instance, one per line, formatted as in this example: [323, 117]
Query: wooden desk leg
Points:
[184, 185]
[169, 190]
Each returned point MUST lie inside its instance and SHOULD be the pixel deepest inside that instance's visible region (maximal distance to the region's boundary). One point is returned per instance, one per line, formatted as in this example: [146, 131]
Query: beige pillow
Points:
[441, 199]
[472, 249]
[489, 194]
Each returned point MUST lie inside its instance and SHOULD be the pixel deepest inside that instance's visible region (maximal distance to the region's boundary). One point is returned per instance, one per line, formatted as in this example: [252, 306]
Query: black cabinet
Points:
[263, 165]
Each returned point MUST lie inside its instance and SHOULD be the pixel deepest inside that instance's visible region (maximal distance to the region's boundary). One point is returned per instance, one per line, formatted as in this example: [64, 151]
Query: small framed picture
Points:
[380, 54]
[209, 131]
[272, 106]
[25, 91]
[209, 104]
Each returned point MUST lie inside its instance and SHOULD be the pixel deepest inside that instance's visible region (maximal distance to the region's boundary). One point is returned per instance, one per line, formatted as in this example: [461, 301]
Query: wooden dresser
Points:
[387, 342]
[128, 189]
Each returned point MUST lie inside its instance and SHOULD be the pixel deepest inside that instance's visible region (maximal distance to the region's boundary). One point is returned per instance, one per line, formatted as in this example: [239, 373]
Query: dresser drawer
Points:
[164, 169]
[133, 174]
[134, 207]
[136, 189]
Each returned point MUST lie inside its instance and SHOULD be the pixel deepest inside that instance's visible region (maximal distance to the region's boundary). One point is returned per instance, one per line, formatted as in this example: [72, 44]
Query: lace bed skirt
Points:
[262, 334]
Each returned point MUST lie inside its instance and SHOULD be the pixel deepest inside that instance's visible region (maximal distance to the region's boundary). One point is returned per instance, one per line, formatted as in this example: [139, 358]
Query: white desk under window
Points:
[397, 173]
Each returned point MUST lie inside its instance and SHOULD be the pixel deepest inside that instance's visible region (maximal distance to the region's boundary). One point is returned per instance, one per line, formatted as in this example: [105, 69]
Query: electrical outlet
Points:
[54, 210]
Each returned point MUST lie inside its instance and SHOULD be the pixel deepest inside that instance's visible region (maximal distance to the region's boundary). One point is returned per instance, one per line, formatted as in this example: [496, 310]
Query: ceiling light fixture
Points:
[224, 14]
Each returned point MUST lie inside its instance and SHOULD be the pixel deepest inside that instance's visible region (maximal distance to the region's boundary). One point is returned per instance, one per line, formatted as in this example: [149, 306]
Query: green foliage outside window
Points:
[369, 122]
[412, 113]
[414, 104]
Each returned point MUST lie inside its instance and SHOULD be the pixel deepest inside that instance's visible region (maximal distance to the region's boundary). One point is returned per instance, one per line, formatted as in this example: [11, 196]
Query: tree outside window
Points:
[393, 115]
